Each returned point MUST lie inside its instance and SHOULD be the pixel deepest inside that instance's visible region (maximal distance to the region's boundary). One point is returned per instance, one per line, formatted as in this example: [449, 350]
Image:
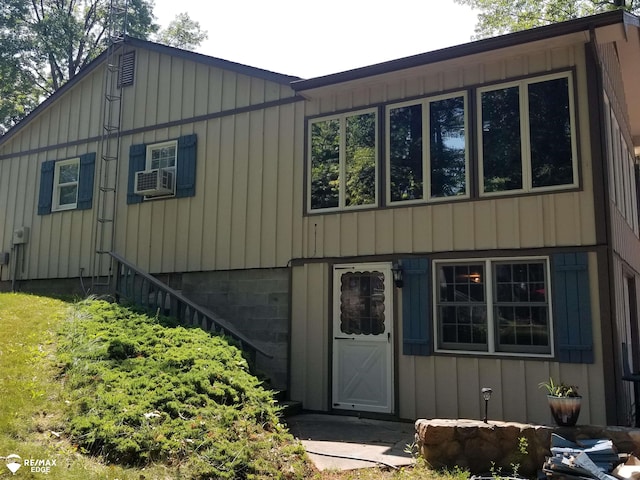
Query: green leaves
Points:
[182, 32]
[497, 17]
[44, 44]
[143, 391]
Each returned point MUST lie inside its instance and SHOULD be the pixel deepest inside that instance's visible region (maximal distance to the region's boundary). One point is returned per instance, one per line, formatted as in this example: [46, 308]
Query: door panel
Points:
[362, 338]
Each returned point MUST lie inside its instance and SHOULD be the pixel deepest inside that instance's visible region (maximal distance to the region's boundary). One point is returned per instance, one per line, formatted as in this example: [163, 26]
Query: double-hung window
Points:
[343, 170]
[162, 155]
[526, 133]
[428, 149]
[65, 184]
[162, 170]
[493, 306]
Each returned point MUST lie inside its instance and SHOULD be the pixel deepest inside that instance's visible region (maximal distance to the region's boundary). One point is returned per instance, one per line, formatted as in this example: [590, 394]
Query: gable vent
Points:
[127, 69]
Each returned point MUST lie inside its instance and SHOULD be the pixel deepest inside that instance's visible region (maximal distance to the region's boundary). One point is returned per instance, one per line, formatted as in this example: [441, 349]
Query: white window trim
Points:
[525, 147]
[155, 146]
[426, 149]
[491, 347]
[342, 168]
[55, 201]
[174, 169]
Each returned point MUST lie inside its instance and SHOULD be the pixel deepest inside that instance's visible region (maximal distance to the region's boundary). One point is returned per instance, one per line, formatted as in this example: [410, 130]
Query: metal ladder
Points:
[104, 234]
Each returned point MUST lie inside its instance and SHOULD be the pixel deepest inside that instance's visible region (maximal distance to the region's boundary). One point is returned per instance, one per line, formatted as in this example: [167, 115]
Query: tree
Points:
[497, 17]
[182, 32]
[45, 43]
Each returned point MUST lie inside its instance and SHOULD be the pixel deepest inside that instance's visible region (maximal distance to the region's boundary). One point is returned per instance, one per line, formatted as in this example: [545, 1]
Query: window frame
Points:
[525, 140]
[425, 104]
[492, 347]
[342, 118]
[154, 146]
[174, 169]
[621, 163]
[55, 200]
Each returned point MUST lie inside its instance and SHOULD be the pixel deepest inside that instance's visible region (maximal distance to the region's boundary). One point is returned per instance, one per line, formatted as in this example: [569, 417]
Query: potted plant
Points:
[564, 402]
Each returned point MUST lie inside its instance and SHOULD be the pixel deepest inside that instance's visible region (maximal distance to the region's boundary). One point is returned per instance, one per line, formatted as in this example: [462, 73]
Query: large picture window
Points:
[493, 305]
[343, 161]
[523, 133]
[526, 132]
[427, 149]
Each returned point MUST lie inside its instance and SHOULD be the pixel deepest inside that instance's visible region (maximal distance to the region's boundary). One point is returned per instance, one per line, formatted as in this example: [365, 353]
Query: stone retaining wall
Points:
[479, 446]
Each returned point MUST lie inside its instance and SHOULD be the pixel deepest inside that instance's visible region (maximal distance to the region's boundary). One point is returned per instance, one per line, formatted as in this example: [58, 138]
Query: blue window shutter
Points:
[46, 187]
[85, 187]
[416, 314]
[572, 308]
[137, 162]
[186, 169]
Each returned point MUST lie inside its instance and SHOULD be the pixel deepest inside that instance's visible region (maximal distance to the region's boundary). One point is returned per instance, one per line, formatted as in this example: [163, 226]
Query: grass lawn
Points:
[94, 391]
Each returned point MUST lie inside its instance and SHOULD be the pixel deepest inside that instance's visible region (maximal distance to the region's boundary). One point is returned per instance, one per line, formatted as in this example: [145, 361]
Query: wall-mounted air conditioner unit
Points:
[155, 182]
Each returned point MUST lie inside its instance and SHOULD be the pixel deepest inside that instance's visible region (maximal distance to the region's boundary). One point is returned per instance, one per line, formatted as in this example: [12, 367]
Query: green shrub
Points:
[143, 390]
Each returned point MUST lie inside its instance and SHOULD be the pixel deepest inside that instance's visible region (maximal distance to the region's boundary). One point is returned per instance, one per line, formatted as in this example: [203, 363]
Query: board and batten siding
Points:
[247, 211]
[59, 244]
[169, 88]
[310, 376]
[248, 201]
[247, 206]
[537, 220]
[438, 385]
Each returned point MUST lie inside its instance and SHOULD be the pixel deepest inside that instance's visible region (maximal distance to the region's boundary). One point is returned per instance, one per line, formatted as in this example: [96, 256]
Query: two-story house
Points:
[397, 236]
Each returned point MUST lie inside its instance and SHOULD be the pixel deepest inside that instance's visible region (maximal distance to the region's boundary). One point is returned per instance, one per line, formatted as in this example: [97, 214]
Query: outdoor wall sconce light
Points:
[396, 269]
[486, 394]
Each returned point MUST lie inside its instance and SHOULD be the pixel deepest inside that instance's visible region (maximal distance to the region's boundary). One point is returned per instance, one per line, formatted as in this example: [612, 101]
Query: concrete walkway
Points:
[336, 442]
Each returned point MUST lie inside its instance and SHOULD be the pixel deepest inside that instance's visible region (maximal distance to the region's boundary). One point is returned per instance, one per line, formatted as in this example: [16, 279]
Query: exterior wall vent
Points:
[127, 69]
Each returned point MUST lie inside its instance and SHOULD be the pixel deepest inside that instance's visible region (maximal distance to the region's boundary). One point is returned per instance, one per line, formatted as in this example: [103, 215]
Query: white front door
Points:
[363, 337]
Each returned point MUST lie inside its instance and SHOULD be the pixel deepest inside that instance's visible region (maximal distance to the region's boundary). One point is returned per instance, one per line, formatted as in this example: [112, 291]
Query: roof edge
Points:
[213, 61]
[158, 47]
[471, 48]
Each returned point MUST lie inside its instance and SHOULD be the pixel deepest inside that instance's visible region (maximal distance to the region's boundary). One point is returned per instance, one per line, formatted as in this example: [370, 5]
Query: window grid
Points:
[162, 155]
[520, 305]
[509, 313]
[462, 306]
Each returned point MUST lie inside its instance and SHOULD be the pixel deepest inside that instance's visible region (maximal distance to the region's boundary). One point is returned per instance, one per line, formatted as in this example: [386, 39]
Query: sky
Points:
[310, 39]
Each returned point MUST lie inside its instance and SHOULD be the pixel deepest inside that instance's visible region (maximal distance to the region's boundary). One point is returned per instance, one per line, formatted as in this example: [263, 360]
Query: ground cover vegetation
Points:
[110, 393]
[145, 390]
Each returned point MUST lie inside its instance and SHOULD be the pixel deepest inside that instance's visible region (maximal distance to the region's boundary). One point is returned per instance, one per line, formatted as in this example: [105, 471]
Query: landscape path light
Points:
[486, 394]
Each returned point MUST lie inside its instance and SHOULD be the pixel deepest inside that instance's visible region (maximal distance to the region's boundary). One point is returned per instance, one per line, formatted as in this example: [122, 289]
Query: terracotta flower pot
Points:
[565, 410]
